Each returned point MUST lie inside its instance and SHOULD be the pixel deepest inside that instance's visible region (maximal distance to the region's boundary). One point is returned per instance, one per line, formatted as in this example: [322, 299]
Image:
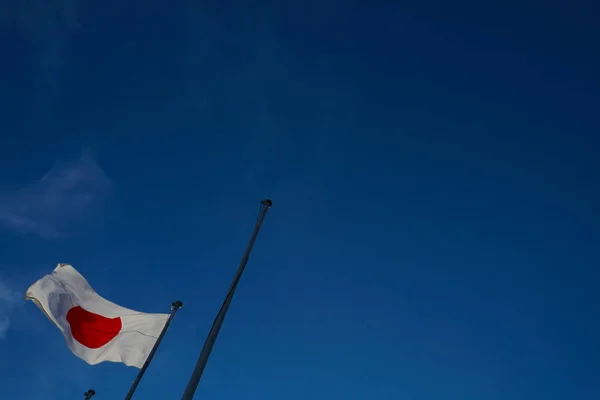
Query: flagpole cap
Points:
[267, 202]
[177, 304]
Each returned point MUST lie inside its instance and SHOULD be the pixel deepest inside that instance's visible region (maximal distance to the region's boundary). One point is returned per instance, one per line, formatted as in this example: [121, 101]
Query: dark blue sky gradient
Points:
[434, 171]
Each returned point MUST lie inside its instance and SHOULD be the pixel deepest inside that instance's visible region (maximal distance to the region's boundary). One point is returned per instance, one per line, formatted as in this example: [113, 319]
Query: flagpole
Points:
[176, 305]
[214, 330]
[89, 394]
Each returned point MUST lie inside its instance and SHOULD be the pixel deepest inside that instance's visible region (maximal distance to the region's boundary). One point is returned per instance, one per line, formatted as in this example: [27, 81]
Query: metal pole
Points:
[214, 330]
[89, 394]
[176, 305]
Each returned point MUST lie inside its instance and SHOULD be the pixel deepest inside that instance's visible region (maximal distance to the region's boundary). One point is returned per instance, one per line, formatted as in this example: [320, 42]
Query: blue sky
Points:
[433, 169]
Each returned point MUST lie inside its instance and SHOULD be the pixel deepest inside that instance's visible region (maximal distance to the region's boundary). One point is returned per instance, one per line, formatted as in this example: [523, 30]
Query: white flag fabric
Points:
[94, 328]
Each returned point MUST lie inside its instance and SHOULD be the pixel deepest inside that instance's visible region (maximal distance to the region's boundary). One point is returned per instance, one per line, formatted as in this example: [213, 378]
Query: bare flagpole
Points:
[89, 394]
[214, 330]
[176, 305]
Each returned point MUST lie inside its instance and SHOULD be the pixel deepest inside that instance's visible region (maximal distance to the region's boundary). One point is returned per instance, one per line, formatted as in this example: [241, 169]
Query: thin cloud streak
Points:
[57, 204]
[8, 300]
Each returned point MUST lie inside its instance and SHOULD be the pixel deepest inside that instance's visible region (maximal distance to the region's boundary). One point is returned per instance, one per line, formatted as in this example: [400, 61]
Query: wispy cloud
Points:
[67, 196]
[8, 300]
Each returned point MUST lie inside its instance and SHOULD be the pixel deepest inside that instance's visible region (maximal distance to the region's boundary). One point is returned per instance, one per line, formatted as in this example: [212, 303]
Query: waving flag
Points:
[94, 328]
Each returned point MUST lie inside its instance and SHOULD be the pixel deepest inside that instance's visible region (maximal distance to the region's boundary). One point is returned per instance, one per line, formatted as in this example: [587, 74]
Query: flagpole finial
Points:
[177, 305]
[267, 202]
[89, 394]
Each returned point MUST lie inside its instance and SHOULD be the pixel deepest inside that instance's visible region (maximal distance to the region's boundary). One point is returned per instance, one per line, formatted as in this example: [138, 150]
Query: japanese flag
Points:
[94, 328]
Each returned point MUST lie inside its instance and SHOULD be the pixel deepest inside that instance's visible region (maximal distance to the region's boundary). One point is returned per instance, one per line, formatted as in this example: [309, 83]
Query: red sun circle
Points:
[92, 330]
